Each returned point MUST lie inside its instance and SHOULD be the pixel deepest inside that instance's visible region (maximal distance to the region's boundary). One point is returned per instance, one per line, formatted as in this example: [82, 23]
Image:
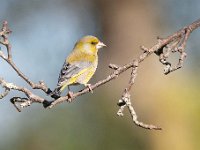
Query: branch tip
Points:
[113, 66]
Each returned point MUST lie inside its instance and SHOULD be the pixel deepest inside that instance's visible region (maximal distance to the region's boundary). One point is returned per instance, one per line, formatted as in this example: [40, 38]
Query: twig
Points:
[146, 52]
[4, 33]
[125, 101]
[5, 93]
[164, 48]
[27, 92]
[24, 102]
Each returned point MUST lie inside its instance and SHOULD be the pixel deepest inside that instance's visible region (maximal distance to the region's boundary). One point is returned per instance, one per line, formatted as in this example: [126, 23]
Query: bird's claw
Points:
[89, 87]
[70, 95]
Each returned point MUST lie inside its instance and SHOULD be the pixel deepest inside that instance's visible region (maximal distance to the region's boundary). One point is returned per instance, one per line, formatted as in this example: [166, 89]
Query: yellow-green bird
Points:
[81, 64]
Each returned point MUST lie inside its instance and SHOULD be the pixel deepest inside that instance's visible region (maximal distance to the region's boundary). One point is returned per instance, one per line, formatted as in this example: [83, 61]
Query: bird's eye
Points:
[93, 43]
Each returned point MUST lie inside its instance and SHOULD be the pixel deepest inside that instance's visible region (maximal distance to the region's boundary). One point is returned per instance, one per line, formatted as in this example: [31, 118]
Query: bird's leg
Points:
[68, 88]
[89, 87]
[70, 94]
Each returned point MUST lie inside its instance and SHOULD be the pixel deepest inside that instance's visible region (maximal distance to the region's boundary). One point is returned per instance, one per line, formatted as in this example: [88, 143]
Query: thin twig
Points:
[5, 31]
[5, 93]
[163, 48]
[118, 70]
[27, 92]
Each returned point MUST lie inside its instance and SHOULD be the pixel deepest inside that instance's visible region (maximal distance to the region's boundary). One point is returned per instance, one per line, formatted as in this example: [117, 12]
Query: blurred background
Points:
[44, 32]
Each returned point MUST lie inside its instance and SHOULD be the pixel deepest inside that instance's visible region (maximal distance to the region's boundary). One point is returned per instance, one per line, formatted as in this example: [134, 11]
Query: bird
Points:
[80, 65]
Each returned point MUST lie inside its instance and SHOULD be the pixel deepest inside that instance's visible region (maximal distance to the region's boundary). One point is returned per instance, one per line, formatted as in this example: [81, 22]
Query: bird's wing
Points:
[70, 70]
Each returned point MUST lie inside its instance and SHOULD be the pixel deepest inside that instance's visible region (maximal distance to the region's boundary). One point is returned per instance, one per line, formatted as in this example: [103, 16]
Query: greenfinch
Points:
[80, 65]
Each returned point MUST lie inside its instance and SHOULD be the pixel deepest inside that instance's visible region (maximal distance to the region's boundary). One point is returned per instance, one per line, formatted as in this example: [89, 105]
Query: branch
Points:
[164, 48]
[4, 33]
[30, 96]
[157, 49]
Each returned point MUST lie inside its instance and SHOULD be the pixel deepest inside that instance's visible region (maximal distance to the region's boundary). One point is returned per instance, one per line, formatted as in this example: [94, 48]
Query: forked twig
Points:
[164, 48]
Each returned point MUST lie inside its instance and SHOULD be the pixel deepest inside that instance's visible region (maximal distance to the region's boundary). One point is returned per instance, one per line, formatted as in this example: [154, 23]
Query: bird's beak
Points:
[100, 45]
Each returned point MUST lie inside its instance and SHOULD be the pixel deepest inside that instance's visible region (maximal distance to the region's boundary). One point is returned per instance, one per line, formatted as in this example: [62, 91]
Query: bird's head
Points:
[89, 44]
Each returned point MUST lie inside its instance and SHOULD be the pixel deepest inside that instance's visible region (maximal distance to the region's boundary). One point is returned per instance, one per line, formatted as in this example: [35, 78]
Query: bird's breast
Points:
[75, 57]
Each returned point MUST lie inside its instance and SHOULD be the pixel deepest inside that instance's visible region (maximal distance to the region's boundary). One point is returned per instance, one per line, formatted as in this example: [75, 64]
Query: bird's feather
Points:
[70, 72]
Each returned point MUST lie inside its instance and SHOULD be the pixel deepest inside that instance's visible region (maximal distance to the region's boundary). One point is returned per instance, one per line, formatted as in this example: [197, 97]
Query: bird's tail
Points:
[56, 93]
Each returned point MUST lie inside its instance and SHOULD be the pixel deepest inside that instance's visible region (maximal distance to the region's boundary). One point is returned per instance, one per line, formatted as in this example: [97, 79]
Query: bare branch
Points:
[146, 52]
[24, 102]
[27, 92]
[4, 33]
[126, 98]
[164, 48]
